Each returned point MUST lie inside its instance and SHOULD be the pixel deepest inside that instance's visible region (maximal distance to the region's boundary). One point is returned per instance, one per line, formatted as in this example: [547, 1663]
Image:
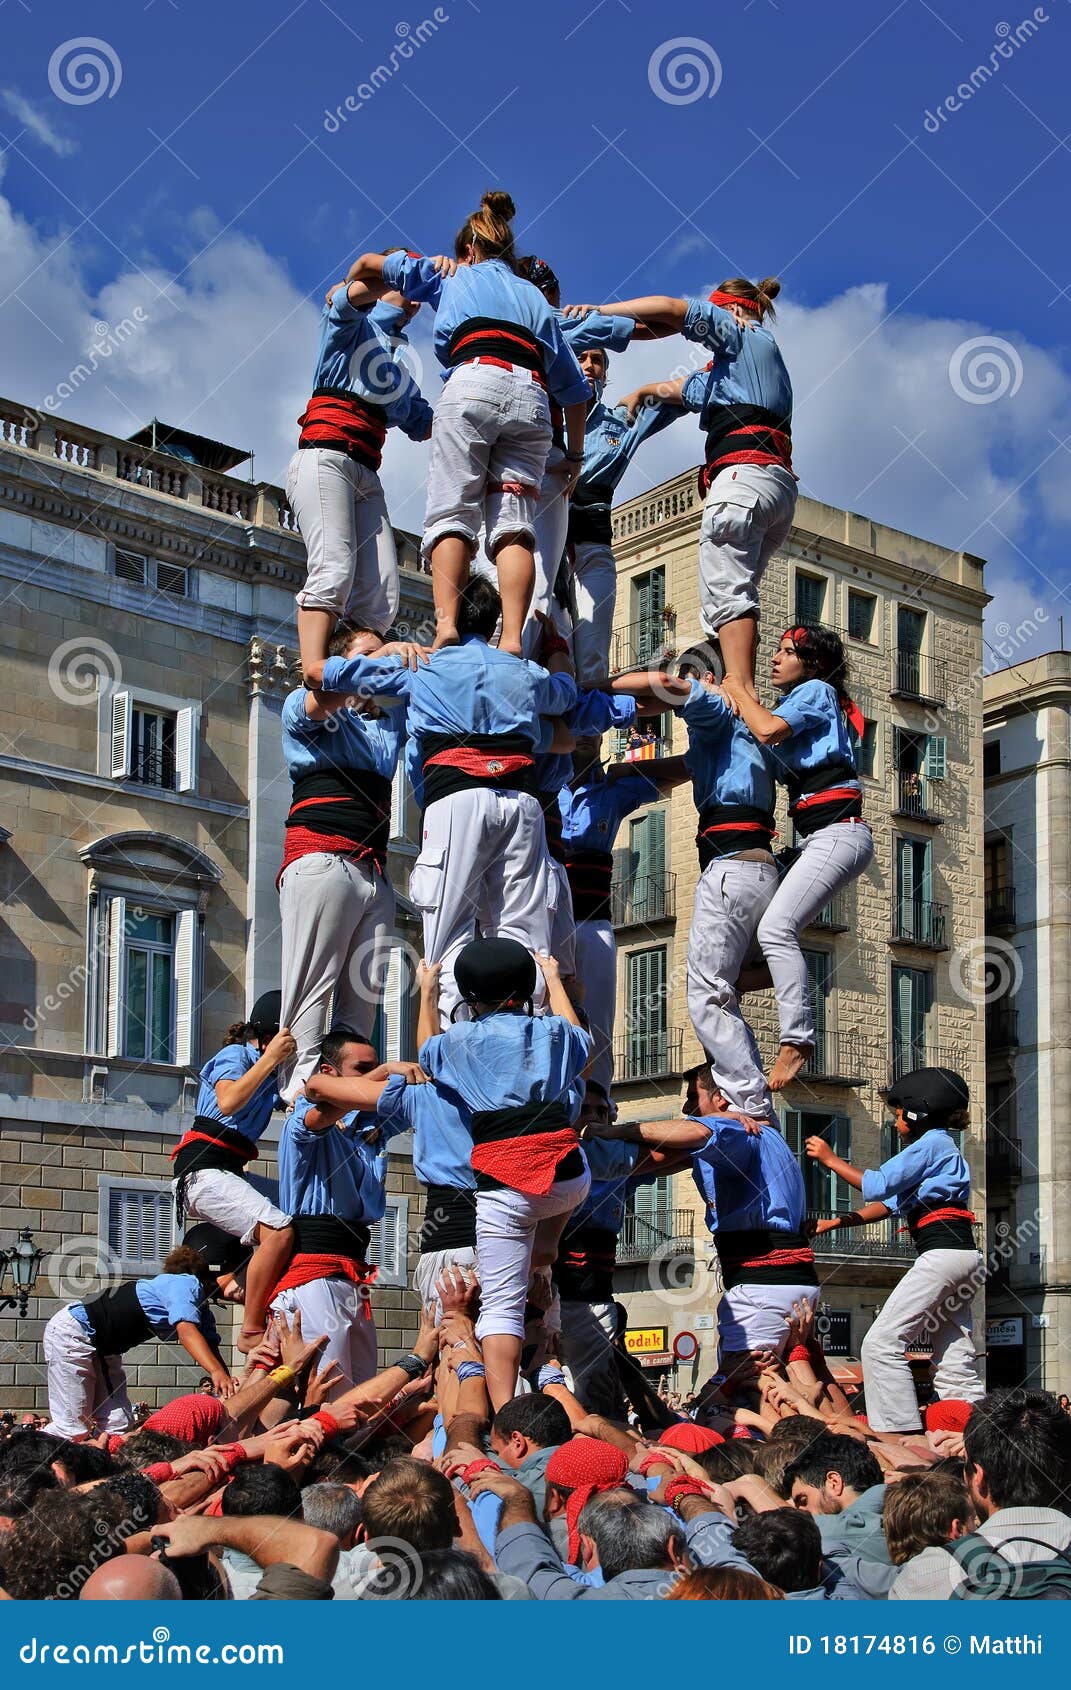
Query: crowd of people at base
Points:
[413, 1486]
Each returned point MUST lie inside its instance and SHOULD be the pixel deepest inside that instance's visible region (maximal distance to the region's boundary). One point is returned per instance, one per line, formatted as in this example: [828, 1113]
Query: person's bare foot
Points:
[512, 646]
[791, 1059]
[446, 634]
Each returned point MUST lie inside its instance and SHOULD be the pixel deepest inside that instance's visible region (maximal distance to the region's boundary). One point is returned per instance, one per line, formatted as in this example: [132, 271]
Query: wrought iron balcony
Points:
[667, 1232]
[923, 679]
[832, 917]
[1000, 907]
[649, 1056]
[643, 899]
[909, 1055]
[918, 922]
[918, 797]
[876, 1242]
[835, 1060]
[643, 645]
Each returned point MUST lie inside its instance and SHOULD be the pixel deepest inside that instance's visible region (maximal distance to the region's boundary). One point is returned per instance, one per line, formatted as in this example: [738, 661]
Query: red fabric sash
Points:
[780, 1258]
[950, 1214]
[473, 762]
[304, 1269]
[830, 796]
[330, 418]
[193, 1137]
[302, 842]
[525, 1164]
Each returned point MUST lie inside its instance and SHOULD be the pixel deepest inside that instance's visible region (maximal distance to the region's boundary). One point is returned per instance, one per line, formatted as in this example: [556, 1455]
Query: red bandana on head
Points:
[727, 300]
[585, 1466]
[687, 1436]
[853, 715]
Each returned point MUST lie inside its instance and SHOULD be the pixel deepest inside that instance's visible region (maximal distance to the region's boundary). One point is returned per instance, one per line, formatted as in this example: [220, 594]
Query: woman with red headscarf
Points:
[810, 737]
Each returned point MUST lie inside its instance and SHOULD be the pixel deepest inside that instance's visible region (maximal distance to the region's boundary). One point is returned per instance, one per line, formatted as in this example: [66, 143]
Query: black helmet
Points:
[222, 1251]
[266, 1014]
[928, 1095]
[496, 971]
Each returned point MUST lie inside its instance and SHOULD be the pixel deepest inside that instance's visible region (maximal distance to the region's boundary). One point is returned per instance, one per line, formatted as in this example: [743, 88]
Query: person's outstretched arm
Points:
[268, 1538]
[558, 998]
[233, 1095]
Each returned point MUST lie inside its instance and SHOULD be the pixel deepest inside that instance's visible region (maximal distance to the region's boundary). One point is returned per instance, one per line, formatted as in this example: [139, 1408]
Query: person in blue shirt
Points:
[360, 389]
[332, 1179]
[442, 1161]
[593, 807]
[492, 434]
[752, 1187]
[744, 401]
[336, 901]
[238, 1093]
[927, 1184]
[520, 1076]
[732, 779]
[809, 735]
[85, 1342]
[473, 716]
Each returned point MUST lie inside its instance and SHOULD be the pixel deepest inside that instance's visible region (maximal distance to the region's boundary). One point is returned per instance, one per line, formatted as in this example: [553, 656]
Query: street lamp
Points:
[23, 1262]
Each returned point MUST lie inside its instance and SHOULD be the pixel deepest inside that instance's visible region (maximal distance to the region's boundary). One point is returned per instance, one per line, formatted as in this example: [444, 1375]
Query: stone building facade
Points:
[1027, 986]
[150, 640]
[886, 959]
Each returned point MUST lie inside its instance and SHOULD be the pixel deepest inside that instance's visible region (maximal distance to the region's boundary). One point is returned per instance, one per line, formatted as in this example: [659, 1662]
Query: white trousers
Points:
[729, 900]
[343, 1312]
[588, 1331]
[80, 1398]
[511, 1228]
[229, 1201]
[828, 861]
[551, 525]
[491, 427]
[433, 1264]
[337, 917]
[483, 866]
[596, 968]
[352, 558]
[934, 1296]
[594, 598]
[563, 924]
[754, 1317]
[747, 514]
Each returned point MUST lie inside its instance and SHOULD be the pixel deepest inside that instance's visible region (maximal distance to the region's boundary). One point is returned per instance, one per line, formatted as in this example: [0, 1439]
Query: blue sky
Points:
[216, 181]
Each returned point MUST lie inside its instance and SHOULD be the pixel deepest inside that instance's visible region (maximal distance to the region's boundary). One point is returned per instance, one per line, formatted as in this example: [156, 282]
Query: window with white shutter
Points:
[137, 1222]
[187, 935]
[121, 733]
[187, 733]
[388, 1250]
[113, 1019]
[151, 739]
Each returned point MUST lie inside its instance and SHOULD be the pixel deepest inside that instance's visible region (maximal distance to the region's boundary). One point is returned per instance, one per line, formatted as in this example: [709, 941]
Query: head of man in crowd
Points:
[831, 1474]
[410, 1502]
[621, 1533]
[333, 1508]
[1017, 1445]
[783, 1545]
[132, 1578]
[262, 1490]
[701, 1095]
[527, 1424]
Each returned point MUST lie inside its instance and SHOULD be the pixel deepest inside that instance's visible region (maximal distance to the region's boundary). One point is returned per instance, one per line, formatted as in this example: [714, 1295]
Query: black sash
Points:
[449, 1219]
[590, 873]
[949, 1233]
[355, 803]
[751, 1245]
[231, 1154]
[590, 524]
[118, 1320]
[442, 779]
[489, 337]
[329, 1235]
[725, 426]
[742, 838]
[584, 1271]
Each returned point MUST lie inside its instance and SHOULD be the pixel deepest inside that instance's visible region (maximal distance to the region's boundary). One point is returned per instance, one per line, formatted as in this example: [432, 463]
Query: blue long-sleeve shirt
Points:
[610, 444]
[593, 811]
[506, 1061]
[441, 1127]
[490, 290]
[929, 1170]
[593, 713]
[356, 352]
[726, 763]
[820, 738]
[347, 740]
[338, 1171]
[748, 1180]
[231, 1063]
[747, 367]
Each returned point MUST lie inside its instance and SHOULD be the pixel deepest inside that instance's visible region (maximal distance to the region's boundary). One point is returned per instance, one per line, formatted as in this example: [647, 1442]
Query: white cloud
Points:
[36, 122]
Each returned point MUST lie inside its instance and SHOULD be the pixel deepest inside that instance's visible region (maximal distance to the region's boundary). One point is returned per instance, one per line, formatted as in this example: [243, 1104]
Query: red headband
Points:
[729, 299]
[800, 637]
[584, 1466]
[687, 1436]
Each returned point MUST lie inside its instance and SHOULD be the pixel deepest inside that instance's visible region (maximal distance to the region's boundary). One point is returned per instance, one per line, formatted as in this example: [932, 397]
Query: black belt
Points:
[590, 873]
[449, 1219]
[590, 525]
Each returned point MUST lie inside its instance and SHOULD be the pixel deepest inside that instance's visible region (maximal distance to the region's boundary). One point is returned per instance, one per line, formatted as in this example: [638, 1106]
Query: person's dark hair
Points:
[489, 229]
[331, 1508]
[339, 643]
[628, 1533]
[335, 1463]
[920, 1511]
[535, 1416]
[821, 651]
[784, 1545]
[140, 1498]
[26, 1448]
[240, 1033]
[64, 1538]
[479, 608]
[728, 1461]
[83, 1462]
[262, 1490]
[762, 293]
[412, 1502]
[723, 1584]
[20, 1489]
[539, 273]
[832, 1453]
[452, 1575]
[1021, 1440]
[335, 1043]
[142, 1448]
[799, 1429]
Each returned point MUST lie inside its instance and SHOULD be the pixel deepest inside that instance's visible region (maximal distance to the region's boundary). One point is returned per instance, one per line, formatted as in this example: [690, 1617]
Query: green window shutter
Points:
[936, 764]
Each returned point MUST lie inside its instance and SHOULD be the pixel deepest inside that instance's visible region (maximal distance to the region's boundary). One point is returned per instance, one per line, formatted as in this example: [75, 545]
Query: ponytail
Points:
[238, 1033]
[489, 229]
[822, 651]
[757, 297]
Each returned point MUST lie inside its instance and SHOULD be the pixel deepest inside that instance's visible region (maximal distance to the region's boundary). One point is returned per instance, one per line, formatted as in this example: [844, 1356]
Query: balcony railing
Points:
[918, 796]
[1001, 1026]
[835, 1060]
[924, 679]
[649, 1056]
[154, 768]
[667, 1232]
[877, 1241]
[918, 922]
[643, 645]
[1003, 1156]
[909, 1056]
[832, 917]
[624, 752]
[642, 900]
[1000, 907]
